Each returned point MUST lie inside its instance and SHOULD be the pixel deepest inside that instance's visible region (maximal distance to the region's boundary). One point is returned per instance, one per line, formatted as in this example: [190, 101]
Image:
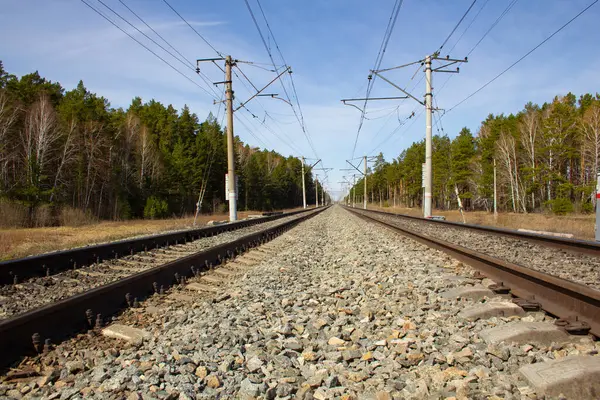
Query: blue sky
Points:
[330, 45]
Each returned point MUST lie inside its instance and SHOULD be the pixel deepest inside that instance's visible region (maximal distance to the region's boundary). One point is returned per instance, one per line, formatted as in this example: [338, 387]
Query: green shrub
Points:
[560, 206]
[587, 208]
[155, 208]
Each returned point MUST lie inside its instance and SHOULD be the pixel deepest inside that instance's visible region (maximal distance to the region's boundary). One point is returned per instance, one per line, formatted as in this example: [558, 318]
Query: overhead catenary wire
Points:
[524, 56]
[468, 26]
[256, 90]
[146, 47]
[378, 60]
[298, 114]
[457, 25]
[156, 33]
[187, 64]
[192, 28]
[500, 17]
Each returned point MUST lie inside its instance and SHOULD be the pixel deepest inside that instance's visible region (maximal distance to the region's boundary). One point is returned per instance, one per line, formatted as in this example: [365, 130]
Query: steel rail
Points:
[565, 299]
[574, 245]
[58, 321]
[20, 269]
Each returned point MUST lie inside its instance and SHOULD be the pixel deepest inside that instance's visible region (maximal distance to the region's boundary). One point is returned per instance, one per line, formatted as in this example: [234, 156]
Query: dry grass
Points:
[22, 242]
[580, 225]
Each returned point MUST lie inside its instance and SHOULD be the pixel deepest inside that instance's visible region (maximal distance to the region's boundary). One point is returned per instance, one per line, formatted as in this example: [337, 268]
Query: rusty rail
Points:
[565, 299]
[62, 319]
[51, 263]
[573, 245]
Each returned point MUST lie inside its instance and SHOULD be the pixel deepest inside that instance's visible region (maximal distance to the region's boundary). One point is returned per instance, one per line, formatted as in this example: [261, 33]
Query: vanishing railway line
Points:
[561, 276]
[36, 292]
[341, 305]
[50, 308]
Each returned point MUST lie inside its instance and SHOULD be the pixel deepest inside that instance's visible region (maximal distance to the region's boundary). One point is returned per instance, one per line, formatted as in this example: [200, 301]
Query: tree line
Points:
[70, 149]
[546, 159]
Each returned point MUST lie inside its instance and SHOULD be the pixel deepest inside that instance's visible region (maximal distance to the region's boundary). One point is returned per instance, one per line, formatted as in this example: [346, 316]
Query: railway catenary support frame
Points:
[52, 263]
[60, 320]
[562, 298]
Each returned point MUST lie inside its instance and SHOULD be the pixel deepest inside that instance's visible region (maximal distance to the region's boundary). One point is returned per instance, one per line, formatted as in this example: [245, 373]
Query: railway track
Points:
[19, 270]
[576, 305]
[335, 307]
[100, 291]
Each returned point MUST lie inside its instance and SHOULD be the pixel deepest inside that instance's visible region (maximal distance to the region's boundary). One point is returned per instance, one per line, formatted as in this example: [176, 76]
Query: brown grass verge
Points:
[580, 225]
[22, 242]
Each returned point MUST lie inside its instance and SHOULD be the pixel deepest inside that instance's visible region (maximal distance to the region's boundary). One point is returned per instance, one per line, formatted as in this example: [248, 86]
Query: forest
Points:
[546, 160]
[69, 153]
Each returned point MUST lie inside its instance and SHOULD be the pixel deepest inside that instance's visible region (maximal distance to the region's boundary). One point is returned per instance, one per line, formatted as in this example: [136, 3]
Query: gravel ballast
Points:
[572, 266]
[36, 292]
[335, 309]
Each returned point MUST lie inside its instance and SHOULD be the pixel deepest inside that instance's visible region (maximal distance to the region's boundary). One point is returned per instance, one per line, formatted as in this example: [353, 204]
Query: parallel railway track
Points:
[18, 270]
[577, 305]
[27, 333]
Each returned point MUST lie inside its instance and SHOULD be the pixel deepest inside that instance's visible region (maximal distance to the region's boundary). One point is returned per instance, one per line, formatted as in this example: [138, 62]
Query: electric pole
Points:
[447, 61]
[428, 139]
[365, 182]
[232, 189]
[231, 181]
[316, 191]
[364, 174]
[303, 185]
[495, 194]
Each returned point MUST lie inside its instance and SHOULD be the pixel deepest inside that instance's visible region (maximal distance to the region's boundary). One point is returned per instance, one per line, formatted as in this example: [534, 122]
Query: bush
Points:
[155, 208]
[587, 208]
[13, 214]
[560, 206]
[43, 215]
[74, 217]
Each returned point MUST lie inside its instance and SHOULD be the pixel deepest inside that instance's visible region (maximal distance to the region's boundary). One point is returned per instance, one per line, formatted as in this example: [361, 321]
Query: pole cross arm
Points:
[399, 88]
[354, 166]
[318, 161]
[375, 98]
[399, 66]
[266, 86]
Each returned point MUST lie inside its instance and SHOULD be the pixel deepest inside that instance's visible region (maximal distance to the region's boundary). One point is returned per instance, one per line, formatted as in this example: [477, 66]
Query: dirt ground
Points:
[22, 242]
[580, 225]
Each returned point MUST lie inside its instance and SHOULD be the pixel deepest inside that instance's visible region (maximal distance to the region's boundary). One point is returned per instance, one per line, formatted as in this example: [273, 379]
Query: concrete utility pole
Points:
[232, 189]
[303, 178]
[496, 194]
[316, 191]
[428, 138]
[353, 191]
[303, 185]
[447, 61]
[364, 174]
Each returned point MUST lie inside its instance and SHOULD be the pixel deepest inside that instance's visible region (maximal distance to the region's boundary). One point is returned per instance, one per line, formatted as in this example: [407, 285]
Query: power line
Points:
[191, 65]
[378, 60]
[192, 28]
[506, 10]
[153, 41]
[301, 116]
[156, 33]
[298, 114]
[502, 15]
[468, 26]
[457, 25]
[524, 56]
[145, 47]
